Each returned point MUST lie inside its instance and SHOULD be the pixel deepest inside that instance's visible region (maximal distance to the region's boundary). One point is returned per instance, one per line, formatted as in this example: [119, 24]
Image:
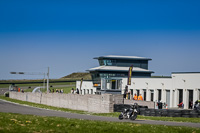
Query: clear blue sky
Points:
[66, 35]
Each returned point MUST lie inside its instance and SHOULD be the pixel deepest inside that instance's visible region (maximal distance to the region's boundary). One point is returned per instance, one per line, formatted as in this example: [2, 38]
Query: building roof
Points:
[117, 68]
[122, 57]
[184, 72]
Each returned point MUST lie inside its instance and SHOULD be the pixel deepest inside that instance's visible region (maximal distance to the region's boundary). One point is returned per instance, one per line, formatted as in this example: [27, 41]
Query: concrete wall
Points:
[150, 104]
[92, 103]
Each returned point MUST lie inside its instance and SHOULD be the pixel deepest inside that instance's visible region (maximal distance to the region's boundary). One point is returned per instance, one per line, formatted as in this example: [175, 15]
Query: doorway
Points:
[145, 95]
[199, 94]
[113, 84]
[159, 95]
[152, 95]
[180, 96]
[168, 98]
[190, 99]
[138, 92]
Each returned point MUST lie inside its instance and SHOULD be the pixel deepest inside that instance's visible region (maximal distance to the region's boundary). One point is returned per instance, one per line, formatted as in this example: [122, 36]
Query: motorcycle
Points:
[129, 113]
[197, 105]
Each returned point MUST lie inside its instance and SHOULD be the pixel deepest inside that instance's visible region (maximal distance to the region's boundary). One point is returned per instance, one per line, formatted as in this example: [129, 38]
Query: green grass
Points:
[114, 114]
[65, 89]
[175, 119]
[34, 80]
[37, 84]
[16, 123]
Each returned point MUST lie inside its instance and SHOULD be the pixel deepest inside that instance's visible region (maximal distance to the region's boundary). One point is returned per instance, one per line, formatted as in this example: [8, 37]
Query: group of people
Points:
[75, 91]
[127, 94]
[181, 105]
[139, 98]
[57, 91]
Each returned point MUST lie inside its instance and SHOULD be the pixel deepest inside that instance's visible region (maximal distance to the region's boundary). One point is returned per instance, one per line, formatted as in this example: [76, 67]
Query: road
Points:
[21, 109]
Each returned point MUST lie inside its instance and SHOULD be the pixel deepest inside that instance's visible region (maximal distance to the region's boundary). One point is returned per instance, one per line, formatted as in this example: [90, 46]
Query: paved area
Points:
[21, 109]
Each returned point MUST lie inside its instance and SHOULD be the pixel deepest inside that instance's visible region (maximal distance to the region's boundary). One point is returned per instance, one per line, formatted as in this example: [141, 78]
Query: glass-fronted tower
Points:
[107, 76]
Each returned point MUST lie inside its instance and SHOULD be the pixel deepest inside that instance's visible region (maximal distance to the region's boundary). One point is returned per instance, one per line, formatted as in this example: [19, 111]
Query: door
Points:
[168, 98]
[152, 95]
[145, 95]
[180, 96]
[190, 99]
[159, 95]
[138, 92]
[113, 84]
[199, 95]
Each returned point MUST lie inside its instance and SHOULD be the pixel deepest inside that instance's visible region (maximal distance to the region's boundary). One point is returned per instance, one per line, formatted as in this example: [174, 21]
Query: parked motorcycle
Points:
[129, 113]
[197, 105]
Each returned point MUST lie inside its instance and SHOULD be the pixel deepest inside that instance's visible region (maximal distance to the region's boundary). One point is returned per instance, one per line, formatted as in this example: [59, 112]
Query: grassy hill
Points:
[78, 75]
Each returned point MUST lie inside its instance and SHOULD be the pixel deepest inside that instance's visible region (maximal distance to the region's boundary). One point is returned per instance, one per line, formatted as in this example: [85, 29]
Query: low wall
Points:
[92, 103]
[170, 113]
[150, 104]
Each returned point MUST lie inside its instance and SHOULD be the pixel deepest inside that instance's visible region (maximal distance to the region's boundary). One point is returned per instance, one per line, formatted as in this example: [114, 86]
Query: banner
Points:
[130, 75]
[81, 83]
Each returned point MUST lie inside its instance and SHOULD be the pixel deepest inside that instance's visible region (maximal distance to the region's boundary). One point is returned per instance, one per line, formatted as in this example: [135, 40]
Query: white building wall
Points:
[184, 81]
[86, 85]
[149, 84]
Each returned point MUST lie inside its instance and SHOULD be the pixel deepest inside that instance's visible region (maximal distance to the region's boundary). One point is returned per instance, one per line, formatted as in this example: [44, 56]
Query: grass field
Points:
[16, 123]
[31, 86]
[65, 89]
[37, 84]
[30, 83]
[114, 114]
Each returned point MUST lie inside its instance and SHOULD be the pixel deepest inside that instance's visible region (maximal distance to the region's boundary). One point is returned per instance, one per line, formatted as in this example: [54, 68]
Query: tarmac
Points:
[10, 107]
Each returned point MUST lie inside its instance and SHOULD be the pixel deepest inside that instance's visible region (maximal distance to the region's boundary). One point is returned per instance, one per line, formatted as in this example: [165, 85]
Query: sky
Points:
[66, 35]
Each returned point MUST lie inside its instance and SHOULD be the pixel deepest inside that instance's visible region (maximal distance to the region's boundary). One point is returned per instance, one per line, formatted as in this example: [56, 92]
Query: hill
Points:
[78, 75]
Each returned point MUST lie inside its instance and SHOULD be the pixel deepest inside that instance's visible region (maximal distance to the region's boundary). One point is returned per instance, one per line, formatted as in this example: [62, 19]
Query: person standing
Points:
[135, 97]
[140, 98]
[18, 89]
[77, 91]
[72, 90]
[125, 91]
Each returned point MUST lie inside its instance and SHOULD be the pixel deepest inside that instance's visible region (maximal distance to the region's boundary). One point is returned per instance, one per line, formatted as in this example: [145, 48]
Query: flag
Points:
[81, 83]
[130, 75]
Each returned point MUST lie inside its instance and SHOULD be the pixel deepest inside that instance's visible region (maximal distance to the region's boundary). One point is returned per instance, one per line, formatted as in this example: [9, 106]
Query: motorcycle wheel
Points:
[133, 117]
[120, 116]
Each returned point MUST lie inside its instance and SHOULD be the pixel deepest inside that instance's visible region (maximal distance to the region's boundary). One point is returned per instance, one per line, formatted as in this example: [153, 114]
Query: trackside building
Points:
[112, 75]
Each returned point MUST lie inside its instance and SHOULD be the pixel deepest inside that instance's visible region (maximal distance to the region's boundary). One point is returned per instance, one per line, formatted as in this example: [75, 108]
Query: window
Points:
[107, 62]
[115, 84]
[101, 63]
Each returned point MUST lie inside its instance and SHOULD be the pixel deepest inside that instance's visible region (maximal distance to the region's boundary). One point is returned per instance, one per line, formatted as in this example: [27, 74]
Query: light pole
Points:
[48, 80]
[36, 73]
